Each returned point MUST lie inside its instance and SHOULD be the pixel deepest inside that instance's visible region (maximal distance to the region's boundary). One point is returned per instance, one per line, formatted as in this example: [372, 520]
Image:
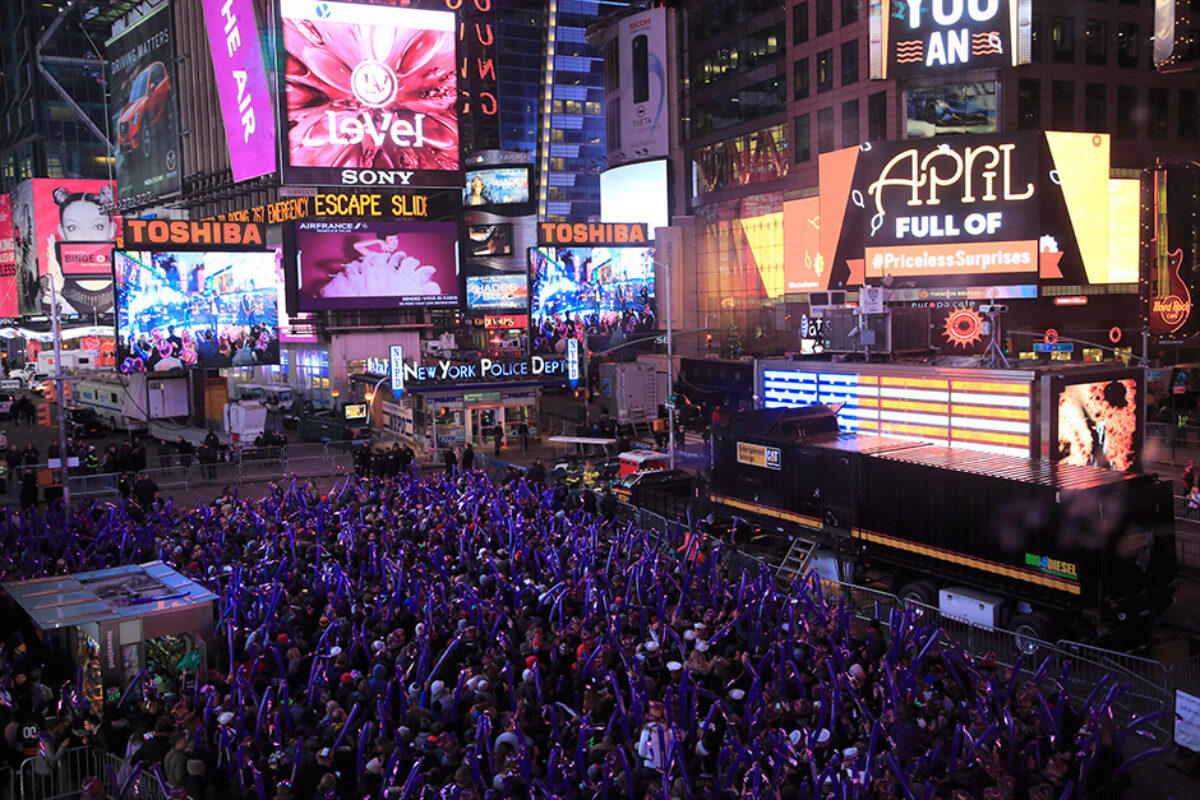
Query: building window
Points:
[825, 130]
[1187, 115]
[1127, 44]
[1029, 104]
[824, 71]
[850, 62]
[803, 139]
[1127, 99]
[1157, 100]
[1095, 42]
[1062, 106]
[1095, 107]
[800, 79]
[850, 123]
[1063, 35]
[800, 23]
[849, 12]
[1035, 38]
[877, 117]
[824, 16]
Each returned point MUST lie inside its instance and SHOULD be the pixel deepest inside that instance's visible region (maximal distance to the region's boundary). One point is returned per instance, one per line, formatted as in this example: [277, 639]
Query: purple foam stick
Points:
[410, 784]
[954, 749]
[345, 728]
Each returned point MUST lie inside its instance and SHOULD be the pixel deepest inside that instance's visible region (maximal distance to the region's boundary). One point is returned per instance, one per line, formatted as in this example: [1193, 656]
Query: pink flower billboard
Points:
[369, 95]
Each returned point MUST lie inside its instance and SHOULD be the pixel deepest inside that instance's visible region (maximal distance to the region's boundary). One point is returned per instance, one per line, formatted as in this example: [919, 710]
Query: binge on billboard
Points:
[195, 309]
[603, 291]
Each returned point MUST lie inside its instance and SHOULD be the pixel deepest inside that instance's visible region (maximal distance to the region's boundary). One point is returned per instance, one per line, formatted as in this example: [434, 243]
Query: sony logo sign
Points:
[376, 177]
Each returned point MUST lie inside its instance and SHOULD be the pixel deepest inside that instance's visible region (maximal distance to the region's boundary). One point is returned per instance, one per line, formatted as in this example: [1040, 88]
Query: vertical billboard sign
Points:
[643, 65]
[47, 211]
[8, 260]
[948, 36]
[369, 95]
[145, 116]
[1170, 247]
[242, 84]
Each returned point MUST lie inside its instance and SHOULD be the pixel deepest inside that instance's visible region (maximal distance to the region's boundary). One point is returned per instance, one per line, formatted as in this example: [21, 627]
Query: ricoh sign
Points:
[910, 38]
[377, 110]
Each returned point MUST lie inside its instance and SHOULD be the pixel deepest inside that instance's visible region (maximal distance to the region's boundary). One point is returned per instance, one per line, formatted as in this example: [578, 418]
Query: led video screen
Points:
[635, 193]
[496, 186]
[605, 290]
[371, 95]
[486, 241]
[1098, 424]
[205, 309]
[497, 292]
[950, 108]
[377, 264]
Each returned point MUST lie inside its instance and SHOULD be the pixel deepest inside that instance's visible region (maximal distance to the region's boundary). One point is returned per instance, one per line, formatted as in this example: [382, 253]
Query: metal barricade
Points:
[60, 776]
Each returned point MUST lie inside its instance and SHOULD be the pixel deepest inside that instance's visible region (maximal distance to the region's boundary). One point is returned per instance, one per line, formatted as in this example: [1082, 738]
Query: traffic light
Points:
[43, 413]
[1008, 348]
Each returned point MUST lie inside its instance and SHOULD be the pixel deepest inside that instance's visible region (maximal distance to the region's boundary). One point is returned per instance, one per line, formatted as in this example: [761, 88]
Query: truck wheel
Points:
[922, 592]
[1029, 631]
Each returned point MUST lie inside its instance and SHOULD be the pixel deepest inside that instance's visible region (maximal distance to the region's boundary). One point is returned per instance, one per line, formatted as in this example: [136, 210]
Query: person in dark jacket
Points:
[145, 491]
[468, 458]
[450, 460]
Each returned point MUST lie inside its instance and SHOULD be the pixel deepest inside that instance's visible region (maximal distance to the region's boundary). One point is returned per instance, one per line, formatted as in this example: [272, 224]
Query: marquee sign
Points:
[911, 38]
[445, 372]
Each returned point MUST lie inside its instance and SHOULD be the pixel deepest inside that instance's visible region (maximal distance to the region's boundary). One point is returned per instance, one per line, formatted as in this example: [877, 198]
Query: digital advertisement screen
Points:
[911, 39]
[8, 260]
[496, 186]
[47, 211]
[145, 119]
[635, 193]
[377, 264]
[1098, 424]
[607, 290]
[950, 108]
[195, 309]
[497, 292]
[485, 241]
[372, 90]
[87, 276]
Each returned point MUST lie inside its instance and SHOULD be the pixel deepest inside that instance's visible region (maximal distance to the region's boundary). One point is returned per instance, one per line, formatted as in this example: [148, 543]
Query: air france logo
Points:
[373, 83]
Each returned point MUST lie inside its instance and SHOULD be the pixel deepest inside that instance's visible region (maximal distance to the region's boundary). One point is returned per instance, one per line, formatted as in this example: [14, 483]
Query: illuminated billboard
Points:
[1170, 216]
[1098, 424]
[145, 116]
[802, 265]
[48, 211]
[609, 290]
[195, 309]
[8, 260]
[377, 265]
[370, 95]
[636, 193]
[912, 38]
[496, 186]
[950, 108]
[642, 43]
[747, 160]
[497, 292]
[495, 260]
[233, 42]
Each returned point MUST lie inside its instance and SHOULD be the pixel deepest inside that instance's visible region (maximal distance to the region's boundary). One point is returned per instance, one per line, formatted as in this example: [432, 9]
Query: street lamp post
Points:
[59, 395]
[670, 373]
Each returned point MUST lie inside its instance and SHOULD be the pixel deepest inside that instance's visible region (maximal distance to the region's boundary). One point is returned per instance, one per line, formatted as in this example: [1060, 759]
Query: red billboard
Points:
[8, 260]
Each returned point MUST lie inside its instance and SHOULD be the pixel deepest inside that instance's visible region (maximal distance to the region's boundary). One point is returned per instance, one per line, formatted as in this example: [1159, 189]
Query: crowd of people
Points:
[415, 637]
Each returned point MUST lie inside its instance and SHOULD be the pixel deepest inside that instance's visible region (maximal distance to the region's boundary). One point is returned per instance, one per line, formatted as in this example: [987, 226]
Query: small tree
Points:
[732, 346]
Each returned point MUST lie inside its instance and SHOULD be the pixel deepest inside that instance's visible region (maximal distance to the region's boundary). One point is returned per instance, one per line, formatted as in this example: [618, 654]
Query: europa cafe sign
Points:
[922, 37]
[963, 207]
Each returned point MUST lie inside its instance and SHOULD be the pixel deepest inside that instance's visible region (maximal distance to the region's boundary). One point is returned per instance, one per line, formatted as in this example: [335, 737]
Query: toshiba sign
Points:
[911, 38]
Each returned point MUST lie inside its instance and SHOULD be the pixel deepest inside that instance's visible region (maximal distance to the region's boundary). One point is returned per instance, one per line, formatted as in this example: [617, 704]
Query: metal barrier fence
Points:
[117, 774]
[261, 464]
[52, 777]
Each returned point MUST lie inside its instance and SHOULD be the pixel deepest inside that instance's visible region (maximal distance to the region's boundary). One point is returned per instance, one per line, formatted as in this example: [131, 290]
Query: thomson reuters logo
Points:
[373, 83]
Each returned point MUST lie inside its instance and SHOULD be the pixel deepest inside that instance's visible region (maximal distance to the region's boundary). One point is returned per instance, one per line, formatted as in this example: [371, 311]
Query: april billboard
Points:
[144, 105]
[369, 95]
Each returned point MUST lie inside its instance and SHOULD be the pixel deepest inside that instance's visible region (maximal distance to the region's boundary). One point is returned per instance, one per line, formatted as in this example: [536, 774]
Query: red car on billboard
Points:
[146, 107]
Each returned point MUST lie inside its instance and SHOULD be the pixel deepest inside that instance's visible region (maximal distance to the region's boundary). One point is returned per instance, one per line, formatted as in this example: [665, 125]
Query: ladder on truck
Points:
[795, 563]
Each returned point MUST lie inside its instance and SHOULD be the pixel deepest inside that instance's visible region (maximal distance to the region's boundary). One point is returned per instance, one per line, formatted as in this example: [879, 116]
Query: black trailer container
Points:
[1068, 546]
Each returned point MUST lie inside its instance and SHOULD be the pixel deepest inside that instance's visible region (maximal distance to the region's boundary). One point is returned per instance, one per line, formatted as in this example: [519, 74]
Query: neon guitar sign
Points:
[1171, 303]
